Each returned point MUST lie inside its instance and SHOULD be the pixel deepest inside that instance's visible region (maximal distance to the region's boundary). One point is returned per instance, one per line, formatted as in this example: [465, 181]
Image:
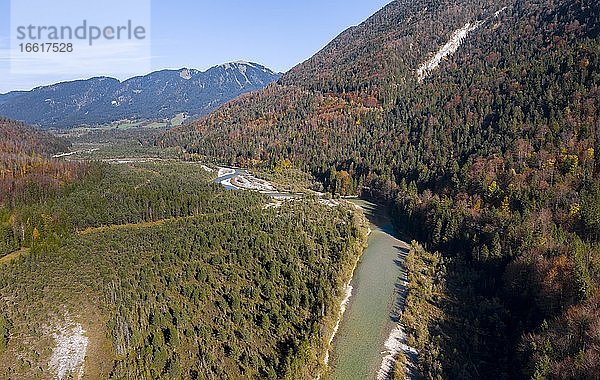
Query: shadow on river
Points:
[377, 300]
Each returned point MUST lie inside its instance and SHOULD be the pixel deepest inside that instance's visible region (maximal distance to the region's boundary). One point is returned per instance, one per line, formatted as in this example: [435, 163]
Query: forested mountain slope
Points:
[26, 166]
[16, 137]
[479, 122]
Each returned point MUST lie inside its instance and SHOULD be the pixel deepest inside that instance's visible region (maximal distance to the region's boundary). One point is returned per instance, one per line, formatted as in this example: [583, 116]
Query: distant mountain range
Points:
[159, 95]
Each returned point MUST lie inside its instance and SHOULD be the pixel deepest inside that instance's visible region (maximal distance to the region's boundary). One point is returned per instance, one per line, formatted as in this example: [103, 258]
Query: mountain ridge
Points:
[159, 95]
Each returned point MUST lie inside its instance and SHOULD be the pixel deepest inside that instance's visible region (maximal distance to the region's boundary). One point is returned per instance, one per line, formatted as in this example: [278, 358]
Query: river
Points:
[369, 334]
[372, 314]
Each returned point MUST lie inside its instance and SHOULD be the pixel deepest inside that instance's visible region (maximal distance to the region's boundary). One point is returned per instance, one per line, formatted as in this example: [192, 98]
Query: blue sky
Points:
[200, 34]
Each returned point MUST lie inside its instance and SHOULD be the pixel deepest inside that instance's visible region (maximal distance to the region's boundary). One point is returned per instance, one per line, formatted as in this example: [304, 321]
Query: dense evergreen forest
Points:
[170, 276]
[492, 160]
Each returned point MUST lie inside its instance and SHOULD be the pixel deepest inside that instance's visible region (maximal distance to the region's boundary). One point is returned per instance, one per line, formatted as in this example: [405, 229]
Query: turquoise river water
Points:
[373, 308]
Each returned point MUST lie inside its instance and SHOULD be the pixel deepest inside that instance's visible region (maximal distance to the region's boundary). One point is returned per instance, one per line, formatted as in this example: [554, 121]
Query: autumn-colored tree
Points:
[35, 234]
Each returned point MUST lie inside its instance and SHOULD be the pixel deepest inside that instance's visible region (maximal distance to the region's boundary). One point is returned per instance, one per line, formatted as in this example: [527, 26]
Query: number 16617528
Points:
[49, 47]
